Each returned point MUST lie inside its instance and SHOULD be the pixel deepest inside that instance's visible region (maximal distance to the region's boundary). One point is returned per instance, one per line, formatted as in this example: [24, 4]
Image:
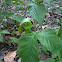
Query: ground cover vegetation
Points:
[25, 28]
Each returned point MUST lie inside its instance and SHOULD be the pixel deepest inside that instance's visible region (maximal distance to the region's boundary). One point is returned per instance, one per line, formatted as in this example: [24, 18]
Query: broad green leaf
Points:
[38, 11]
[50, 60]
[36, 0]
[27, 24]
[54, 55]
[56, 30]
[50, 40]
[28, 48]
[17, 18]
[5, 32]
[60, 32]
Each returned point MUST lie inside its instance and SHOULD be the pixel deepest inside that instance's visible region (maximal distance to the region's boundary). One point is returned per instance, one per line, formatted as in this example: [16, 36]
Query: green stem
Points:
[5, 6]
[35, 25]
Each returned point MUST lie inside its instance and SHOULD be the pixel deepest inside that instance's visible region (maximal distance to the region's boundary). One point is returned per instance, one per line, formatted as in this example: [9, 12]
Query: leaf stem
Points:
[5, 6]
[35, 25]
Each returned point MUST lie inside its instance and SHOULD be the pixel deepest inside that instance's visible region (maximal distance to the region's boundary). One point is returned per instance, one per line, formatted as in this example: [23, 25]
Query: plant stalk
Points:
[35, 25]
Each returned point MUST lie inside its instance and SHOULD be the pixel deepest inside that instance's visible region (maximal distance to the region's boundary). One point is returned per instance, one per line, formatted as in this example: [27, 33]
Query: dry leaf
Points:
[10, 56]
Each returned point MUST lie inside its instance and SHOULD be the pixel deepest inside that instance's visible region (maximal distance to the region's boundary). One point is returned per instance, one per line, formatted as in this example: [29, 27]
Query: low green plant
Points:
[28, 47]
[3, 32]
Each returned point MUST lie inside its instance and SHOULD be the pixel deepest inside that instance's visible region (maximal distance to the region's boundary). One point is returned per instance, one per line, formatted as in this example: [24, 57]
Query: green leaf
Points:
[17, 18]
[13, 40]
[49, 1]
[4, 23]
[5, 32]
[56, 30]
[7, 14]
[36, 0]
[60, 32]
[7, 1]
[43, 49]
[15, 0]
[50, 40]
[1, 37]
[60, 9]
[50, 60]
[60, 60]
[22, 3]
[28, 48]
[13, 32]
[1, 17]
[27, 24]
[38, 11]
[0, 61]
[41, 61]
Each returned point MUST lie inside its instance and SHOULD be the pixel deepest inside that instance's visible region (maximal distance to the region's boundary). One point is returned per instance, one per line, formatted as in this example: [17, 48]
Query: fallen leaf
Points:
[10, 56]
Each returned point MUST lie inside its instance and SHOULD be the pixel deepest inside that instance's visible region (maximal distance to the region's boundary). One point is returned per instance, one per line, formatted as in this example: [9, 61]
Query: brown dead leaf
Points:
[10, 56]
